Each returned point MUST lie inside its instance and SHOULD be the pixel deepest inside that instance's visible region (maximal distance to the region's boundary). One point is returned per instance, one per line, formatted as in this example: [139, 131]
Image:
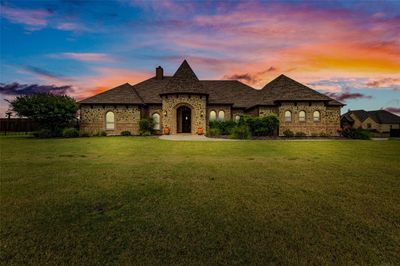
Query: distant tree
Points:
[51, 112]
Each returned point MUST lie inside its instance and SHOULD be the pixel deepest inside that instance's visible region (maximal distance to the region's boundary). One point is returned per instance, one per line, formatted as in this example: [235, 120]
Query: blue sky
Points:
[349, 50]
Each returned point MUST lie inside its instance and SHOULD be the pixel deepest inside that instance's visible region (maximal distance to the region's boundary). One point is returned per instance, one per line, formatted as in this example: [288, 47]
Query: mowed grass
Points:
[132, 200]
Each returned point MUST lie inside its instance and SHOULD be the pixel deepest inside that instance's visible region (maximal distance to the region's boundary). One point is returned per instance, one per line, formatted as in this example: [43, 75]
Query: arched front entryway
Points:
[184, 119]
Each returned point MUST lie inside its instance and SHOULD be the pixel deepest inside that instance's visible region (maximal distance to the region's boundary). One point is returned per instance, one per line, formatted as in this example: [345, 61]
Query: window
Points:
[110, 121]
[213, 115]
[317, 116]
[302, 116]
[288, 116]
[156, 120]
[237, 118]
[221, 115]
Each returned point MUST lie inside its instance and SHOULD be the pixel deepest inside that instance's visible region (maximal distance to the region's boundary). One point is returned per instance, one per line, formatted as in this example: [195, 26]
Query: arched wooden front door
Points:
[184, 119]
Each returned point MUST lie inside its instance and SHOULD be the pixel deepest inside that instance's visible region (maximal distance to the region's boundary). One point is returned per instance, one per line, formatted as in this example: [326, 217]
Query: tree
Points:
[51, 112]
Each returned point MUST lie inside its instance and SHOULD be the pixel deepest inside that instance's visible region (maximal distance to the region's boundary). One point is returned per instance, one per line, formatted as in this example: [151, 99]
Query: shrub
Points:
[101, 133]
[70, 133]
[358, 133]
[51, 112]
[146, 126]
[213, 132]
[126, 133]
[84, 134]
[260, 126]
[44, 134]
[224, 127]
[314, 135]
[240, 132]
[323, 134]
[300, 134]
[288, 133]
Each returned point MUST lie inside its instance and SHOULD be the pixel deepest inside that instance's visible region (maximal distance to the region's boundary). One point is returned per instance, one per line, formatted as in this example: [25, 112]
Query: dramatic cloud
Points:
[250, 78]
[395, 110]
[342, 97]
[27, 89]
[87, 57]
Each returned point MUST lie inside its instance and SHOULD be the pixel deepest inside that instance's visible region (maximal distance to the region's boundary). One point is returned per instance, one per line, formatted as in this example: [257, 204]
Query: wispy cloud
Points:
[32, 18]
[86, 57]
[27, 89]
[344, 96]
[395, 110]
[392, 83]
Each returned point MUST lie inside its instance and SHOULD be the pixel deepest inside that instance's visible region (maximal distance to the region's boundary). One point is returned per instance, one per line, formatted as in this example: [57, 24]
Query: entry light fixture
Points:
[201, 113]
[165, 113]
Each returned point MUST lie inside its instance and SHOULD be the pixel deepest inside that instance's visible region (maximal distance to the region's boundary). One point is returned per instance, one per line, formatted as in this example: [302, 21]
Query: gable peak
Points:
[185, 72]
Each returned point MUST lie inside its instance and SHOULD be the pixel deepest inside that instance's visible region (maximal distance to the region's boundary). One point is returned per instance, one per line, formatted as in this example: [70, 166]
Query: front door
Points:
[184, 119]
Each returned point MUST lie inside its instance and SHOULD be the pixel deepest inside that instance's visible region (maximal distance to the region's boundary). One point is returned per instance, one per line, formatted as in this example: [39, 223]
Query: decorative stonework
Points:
[329, 123]
[197, 104]
[92, 118]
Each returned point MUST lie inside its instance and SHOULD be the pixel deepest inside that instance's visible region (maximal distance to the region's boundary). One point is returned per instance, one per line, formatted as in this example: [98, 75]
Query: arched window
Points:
[110, 121]
[213, 115]
[317, 116]
[288, 116]
[237, 118]
[302, 116]
[221, 115]
[156, 120]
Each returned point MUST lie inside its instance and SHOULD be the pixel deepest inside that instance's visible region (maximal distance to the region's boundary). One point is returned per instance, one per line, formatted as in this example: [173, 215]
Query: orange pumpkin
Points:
[200, 131]
[166, 130]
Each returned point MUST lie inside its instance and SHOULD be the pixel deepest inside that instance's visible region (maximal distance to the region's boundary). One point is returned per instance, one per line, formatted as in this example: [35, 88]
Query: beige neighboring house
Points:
[380, 122]
[182, 104]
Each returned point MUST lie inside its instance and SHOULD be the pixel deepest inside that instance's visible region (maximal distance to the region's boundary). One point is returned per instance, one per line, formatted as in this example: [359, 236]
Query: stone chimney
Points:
[159, 73]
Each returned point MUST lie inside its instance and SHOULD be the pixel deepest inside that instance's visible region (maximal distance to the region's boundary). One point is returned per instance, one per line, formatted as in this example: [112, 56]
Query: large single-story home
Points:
[380, 122]
[183, 103]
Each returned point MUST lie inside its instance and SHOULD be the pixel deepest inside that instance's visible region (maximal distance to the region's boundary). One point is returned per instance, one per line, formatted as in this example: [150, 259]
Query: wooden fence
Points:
[17, 125]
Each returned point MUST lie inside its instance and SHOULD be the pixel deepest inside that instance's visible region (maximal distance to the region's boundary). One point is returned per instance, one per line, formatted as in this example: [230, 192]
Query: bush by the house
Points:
[70, 133]
[224, 127]
[260, 126]
[126, 133]
[288, 133]
[213, 132]
[84, 134]
[300, 134]
[240, 132]
[356, 133]
[146, 126]
[44, 133]
[51, 112]
[323, 134]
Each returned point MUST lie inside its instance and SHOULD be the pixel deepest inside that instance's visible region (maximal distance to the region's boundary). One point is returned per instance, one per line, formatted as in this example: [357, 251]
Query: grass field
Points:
[131, 200]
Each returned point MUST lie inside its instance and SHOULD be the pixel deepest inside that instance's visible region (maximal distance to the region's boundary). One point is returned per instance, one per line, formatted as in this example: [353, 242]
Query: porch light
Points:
[201, 113]
[165, 113]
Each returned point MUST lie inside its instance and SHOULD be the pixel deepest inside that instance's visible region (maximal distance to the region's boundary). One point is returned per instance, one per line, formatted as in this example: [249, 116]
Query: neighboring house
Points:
[183, 103]
[381, 122]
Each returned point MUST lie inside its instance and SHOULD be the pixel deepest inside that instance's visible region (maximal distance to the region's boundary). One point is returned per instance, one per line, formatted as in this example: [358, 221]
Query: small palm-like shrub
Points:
[288, 133]
[126, 133]
[146, 126]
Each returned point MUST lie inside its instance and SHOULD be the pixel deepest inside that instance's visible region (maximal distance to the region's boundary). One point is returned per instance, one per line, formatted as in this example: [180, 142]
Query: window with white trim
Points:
[316, 116]
[221, 115]
[288, 116]
[302, 116]
[156, 120]
[237, 118]
[213, 116]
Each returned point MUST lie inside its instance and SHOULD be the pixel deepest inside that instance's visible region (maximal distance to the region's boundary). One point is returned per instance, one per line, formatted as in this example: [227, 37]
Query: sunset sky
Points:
[348, 50]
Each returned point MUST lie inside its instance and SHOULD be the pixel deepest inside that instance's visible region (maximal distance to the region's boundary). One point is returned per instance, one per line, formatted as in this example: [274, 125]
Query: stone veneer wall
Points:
[197, 103]
[93, 119]
[329, 123]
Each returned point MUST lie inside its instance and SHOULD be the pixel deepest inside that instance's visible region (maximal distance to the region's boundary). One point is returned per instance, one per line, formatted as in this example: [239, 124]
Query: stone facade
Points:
[217, 108]
[197, 104]
[93, 118]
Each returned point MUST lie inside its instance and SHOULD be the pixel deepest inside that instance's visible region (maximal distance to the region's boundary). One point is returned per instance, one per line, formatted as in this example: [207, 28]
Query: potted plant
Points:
[166, 130]
[200, 131]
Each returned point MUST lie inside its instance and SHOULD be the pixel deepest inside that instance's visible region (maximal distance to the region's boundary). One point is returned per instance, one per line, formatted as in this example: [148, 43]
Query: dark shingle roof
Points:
[183, 81]
[379, 116]
[123, 94]
[384, 117]
[284, 88]
[218, 91]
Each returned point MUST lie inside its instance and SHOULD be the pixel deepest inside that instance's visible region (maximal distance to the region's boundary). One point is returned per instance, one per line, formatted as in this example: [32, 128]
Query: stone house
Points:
[380, 122]
[183, 103]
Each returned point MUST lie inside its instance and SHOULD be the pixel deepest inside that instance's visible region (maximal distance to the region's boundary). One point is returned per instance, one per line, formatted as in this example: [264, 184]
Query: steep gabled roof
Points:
[123, 94]
[284, 88]
[184, 81]
[362, 115]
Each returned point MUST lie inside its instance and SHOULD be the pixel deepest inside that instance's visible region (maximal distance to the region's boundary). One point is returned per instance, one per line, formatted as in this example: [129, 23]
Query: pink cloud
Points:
[385, 83]
[35, 18]
[86, 57]
[395, 110]
[72, 26]
[342, 97]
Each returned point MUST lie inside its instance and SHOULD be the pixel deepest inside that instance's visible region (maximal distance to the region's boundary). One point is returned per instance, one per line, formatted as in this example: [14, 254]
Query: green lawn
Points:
[132, 200]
